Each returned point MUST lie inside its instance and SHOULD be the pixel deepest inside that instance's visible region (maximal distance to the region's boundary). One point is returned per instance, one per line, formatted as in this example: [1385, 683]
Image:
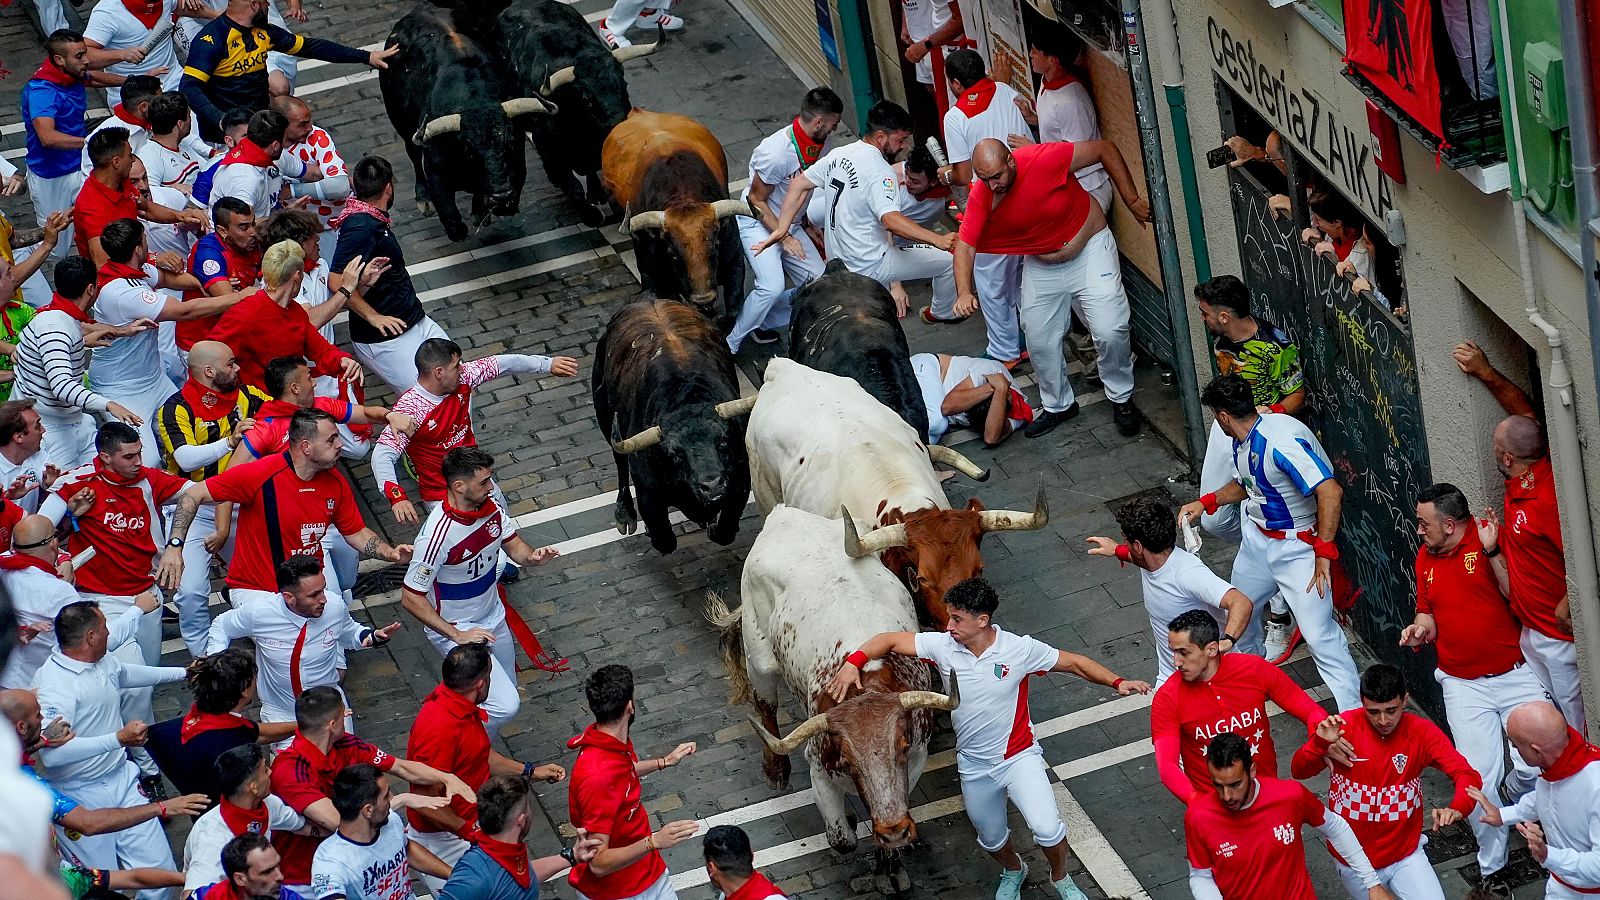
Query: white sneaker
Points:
[1277, 638]
[613, 39]
[659, 18]
[1011, 883]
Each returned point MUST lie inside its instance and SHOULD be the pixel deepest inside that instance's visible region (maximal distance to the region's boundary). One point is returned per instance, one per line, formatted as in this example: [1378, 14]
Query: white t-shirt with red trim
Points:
[992, 723]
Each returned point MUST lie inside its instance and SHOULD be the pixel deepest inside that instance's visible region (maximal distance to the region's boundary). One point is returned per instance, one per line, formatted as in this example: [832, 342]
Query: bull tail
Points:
[731, 649]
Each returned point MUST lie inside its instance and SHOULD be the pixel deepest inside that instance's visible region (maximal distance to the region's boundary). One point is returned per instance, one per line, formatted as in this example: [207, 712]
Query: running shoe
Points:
[659, 18]
[1011, 883]
[1068, 890]
[931, 319]
[1281, 639]
[614, 39]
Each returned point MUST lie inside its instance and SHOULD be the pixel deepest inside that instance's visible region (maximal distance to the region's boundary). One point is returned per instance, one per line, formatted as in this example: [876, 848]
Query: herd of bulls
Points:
[858, 535]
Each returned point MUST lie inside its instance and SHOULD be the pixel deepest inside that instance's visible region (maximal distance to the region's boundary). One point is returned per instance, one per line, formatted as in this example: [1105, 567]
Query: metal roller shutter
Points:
[794, 24]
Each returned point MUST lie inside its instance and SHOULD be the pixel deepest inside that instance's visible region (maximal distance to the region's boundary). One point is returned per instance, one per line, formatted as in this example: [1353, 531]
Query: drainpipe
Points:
[853, 30]
[1572, 486]
[1194, 423]
[1163, 27]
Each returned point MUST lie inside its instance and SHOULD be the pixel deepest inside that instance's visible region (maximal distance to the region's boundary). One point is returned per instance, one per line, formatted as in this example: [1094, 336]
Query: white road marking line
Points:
[1089, 844]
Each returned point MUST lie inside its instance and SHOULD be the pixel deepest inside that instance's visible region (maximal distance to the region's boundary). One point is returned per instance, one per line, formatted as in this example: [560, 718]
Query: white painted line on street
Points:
[490, 251]
[570, 508]
[1089, 844]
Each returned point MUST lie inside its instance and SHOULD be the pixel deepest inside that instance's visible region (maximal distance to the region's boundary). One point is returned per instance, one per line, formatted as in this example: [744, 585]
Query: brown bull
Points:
[670, 175]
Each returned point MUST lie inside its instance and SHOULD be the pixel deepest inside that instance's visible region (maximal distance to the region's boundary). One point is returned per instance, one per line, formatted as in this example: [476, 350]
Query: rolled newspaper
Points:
[83, 557]
[937, 152]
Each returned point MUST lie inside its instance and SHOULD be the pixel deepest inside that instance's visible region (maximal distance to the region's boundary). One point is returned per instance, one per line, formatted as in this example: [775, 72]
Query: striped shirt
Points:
[197, 448]
[1280, 463]
[50, 363]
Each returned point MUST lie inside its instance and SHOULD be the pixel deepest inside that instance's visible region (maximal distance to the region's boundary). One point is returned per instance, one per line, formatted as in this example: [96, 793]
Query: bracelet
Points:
[650, 841]
[527, 770]
[394, 492]
[1208, 502]
[1117, 685]
[161, 810]
[345, 290]
[1123, 553]
[661, 763]
[1492, 552]
[1277, 408]
[927, 44]
[857, 659]
[1325, 549]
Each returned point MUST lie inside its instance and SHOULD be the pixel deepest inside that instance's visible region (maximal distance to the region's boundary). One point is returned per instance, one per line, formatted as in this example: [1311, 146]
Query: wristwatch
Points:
[569, 856]
[175, 542]
[927, 44]
[1231, 639]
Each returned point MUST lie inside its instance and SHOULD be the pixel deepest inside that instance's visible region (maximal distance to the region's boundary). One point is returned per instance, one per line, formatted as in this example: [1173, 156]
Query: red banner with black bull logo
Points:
[1389, 43]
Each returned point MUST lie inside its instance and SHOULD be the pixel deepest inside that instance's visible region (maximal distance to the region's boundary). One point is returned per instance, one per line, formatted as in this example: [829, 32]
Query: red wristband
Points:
[161, 810]
[1209, 503]
[1117, 685]
[857, 659]
[1123, 553]
[394, 492]
[1324, 549]
[1277, 408]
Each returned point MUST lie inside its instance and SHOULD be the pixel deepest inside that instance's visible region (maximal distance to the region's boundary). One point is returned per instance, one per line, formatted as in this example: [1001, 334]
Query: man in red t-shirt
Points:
[108, 194]
[225, 261]
[1463, 613]
[302, 776]
[1243, 834]
[288, 381]
[1217, 694]
[449, 735]
[605, 799]
[284, 505]
[1028, 203]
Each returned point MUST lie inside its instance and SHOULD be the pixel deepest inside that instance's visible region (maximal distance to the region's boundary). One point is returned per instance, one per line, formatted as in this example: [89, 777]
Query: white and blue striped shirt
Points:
[1280, 463]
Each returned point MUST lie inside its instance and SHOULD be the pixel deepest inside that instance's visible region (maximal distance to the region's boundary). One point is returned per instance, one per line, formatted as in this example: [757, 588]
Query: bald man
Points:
[1029, 203]
[308, 142]
[198, 428]
[1560, 817]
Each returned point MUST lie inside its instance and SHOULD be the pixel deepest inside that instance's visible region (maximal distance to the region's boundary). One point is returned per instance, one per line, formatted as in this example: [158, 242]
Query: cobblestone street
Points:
[543, 283]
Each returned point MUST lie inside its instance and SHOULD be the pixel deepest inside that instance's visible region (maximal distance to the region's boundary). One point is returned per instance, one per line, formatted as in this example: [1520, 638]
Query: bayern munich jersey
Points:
[457, 562]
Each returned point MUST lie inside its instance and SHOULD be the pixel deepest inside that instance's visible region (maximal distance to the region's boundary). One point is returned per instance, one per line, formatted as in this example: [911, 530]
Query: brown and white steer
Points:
[819, 442]
[805, 605]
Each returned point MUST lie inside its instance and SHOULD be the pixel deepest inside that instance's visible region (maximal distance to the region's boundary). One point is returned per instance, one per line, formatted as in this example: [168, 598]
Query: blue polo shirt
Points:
[477, 877]
[68, 105]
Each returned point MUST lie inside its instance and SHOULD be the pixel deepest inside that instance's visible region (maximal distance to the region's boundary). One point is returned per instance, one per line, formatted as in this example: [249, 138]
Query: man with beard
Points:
[371, 856]
[251, 870]
[498, 866]
[227, 63]
[863, 198]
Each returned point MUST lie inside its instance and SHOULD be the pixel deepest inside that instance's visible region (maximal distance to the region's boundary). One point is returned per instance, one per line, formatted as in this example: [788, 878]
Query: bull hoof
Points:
[627, 520]
[777, 775]
[455, 231]
[592, 215]
[844, 842]
[424, 207]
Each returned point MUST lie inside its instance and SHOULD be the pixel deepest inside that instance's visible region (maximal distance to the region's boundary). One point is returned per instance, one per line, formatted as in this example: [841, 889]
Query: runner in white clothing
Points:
[309, 143]
[1175, 580]
[960, 391]
[246, 806]
[924, 25]
[139, 35]
[171, 155]
[371, 855]
[996, 753]
[783, 154]
[1064, 110]
[453, 583]
[863, 200]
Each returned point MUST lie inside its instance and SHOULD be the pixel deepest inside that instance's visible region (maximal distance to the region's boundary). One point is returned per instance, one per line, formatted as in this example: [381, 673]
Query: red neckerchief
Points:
[935, 192]
[223, 890]
[148, 13]
[976, 99]
[206, 404]
[49, 71]
[1059, 83]
[16, 562]
[111, 271]
[808, 150]
[5, 320]
[757, 888]
[354, 207]
[1579, 753]
[241, 821]
[248, 153]
[62, 304]
[1342, 249]
[196, 722]
[511, 857]
[121, 111]
[1018, 407]
[468, 516]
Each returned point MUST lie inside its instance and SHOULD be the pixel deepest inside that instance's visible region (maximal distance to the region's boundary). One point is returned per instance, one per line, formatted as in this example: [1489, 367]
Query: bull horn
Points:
[1011, 520]
[910, 700]
[739, 407]
[558, 78]
[522, 106]
[958, 462]
[877, 540]
[435, 127]
[650, 218]
[623, 54]
[797, 738]
[726, 208]
[647, 438]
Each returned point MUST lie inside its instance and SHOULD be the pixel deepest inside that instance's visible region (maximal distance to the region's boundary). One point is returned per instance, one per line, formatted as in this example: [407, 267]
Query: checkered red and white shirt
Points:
[1381, 794]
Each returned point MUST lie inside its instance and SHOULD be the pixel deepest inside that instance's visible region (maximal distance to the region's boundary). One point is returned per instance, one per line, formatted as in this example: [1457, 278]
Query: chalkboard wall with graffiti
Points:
[1361, 378]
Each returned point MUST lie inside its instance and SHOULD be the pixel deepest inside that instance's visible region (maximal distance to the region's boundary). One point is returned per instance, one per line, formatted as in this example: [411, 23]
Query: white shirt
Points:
[999, 119]
[375, 871]
[113, 27]
[276, 630]
[37, 596]
[1182, 583]
[128, 366]
[457, 565]
[1279, 464]
[164, 237]
[87, 695]
[25, 830]
[923, 18]
[964, 371]
[992, 723]
[859, 188]
[775, 161]
[1067, 114]
[33, 466]
[1569, 812]
[256, 185]
[314, 292]
[169, 168]
[202, 853]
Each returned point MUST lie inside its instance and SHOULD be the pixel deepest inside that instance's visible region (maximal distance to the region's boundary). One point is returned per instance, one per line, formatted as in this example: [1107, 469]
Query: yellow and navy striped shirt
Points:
[177, 426]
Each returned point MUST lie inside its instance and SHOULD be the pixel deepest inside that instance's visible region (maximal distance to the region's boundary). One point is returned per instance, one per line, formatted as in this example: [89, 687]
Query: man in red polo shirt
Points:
[1462, 612]
[108, 194]
[302, 776]
[1028, 203]
[284, 504]
[449, 735]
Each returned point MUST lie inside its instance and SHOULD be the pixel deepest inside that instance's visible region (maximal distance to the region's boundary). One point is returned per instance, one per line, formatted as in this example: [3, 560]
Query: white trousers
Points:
[1023, 779]
[999, 279]
[1216, 471]
[1411, 878]
[661, 890]
[915, 262]
[194, 589]
[144, 846]
[144, 403]
[52, 17]
[503, 700]
[68, 437]
[395, 360]
[625, 12]
[1555, 662]
[447, 847]
[1266, 566]
[767, 304]
[52, 194]
[1090, 286]
[1476, 710]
